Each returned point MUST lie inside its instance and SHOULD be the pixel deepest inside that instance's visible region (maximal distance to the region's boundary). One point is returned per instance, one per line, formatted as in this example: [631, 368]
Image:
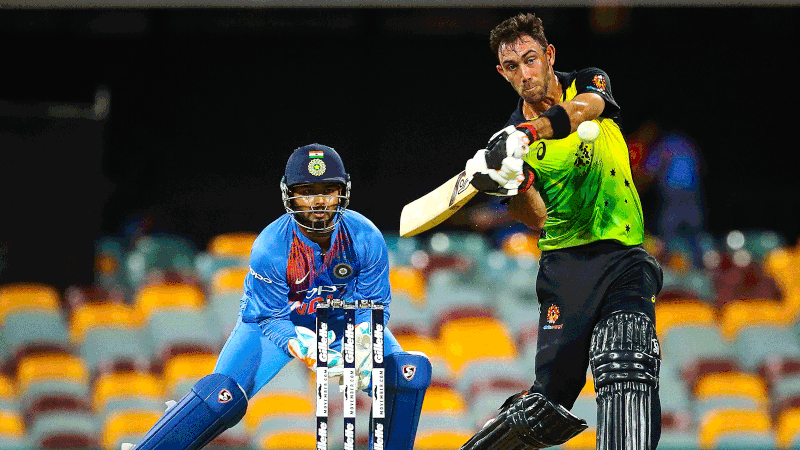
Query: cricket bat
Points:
[436, 206]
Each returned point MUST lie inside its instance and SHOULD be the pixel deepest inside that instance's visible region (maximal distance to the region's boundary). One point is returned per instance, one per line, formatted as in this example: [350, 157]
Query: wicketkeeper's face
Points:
[528, 67]
[316, 202]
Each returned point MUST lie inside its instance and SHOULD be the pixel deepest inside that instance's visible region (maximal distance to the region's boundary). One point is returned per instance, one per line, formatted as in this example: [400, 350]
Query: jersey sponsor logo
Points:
[342, 270]
[224, 396]
[599, 81]
[541, 149]
[409, 371]
[553, 314]
[258, 276]
[316, 167]
[300, 280]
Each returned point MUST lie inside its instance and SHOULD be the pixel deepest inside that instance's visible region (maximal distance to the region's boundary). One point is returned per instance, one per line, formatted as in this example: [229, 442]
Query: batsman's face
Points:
[316, 202]
[528, 67]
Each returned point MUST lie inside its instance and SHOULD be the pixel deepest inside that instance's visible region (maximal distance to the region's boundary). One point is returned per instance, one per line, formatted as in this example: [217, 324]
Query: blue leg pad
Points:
[408, 375]
[213, 405]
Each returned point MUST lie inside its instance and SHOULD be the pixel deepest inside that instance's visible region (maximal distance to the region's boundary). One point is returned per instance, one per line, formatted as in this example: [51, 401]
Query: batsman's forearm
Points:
[583, 107]
[529, 208]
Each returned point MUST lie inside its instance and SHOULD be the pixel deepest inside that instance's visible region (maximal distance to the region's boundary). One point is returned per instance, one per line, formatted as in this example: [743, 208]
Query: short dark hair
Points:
[512, 29]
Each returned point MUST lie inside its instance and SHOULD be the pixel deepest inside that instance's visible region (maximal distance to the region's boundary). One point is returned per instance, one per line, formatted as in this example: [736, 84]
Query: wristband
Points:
[530, 177]
[529, 131]
[559, 121]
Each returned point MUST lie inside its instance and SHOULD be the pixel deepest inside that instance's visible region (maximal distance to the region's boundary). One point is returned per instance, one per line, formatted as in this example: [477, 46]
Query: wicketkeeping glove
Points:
[304, 348]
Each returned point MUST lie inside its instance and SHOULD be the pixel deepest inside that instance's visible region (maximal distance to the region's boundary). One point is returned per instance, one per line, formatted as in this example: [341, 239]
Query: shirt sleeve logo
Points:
[599, 82]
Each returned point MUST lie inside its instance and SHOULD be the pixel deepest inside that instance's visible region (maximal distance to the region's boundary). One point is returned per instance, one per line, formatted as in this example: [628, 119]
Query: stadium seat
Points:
[418, 342]
[181, 372]
[682, 313]
[277, 403]
[27, 297]
[159, 253]
[229, 279]
[48, 367]
[443, 400]
[474, 338]
[65, 430]
[485, 406]
[157, 297]
[101, 315]
[465, 305]
[222, 312]
[442, 432]
[786, 393]
[408, 317]
[489, 374]
[287, 433]
[113, 349]
[521, 244]
[678, 440]
[471, 245]
[741, 314]
[718, 423]
[518, 312]
[8, 393]
[173, 332]
[747, 440]
[697, 350]
[11, 425]
[730, 390]
[769, 349]
[232, 245]
[583, 441]
[788, 428]
[125, 385]
[409, 281]
[400, 248]
[127, 426]
[30, 332]
[676, 401]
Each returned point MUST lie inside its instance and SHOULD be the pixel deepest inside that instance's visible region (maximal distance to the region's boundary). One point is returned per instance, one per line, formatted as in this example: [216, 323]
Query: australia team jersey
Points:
[289, 274]
[588, 188]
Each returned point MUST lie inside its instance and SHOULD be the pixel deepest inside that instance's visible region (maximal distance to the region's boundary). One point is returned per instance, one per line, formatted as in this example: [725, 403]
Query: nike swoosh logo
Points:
[300, 280]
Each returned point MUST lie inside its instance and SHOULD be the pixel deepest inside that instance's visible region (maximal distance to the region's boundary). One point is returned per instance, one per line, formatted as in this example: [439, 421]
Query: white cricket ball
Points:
[588, 131]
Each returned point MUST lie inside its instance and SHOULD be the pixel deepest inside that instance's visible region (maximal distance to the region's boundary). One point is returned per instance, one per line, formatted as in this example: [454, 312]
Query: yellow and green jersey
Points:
[588, 188]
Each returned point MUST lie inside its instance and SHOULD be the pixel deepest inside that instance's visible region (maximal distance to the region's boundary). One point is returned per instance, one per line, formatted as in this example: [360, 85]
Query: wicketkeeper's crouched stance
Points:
[317, 250]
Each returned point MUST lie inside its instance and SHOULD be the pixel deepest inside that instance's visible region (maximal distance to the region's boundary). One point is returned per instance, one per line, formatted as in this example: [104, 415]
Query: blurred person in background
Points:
[318, 249]
[596, 284]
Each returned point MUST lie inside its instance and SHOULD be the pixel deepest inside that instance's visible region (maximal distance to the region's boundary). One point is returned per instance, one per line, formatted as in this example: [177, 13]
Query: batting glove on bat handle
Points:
[507, 142]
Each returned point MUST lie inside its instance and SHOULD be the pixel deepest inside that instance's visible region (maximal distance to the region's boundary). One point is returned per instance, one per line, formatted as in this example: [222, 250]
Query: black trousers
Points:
[576, 288]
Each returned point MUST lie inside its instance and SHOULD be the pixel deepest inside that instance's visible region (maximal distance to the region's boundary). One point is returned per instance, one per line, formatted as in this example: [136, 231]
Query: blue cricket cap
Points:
[315, 163]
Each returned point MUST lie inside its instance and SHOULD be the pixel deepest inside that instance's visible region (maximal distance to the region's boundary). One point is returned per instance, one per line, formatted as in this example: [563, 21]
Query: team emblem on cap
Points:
[599, 82]
[409, 371]
[316, 167]
[342, 270]
[224, 396]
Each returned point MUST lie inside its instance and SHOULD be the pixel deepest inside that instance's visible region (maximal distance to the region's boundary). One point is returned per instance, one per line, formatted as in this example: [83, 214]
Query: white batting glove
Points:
[304, 348]
[504, 181]
[508, 142]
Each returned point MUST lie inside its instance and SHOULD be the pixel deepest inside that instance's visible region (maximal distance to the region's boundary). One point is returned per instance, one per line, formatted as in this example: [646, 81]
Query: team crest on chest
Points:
[342, 270]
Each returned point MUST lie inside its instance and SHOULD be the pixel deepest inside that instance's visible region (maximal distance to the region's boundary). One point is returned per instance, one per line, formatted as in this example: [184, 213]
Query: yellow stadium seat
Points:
[289, 440]
[408, 280]
[125, 384]
[229, 279]
[419, 343]
[27, 297]
[743, 313]
[442, 400]
[717, 423]
[232, 245]
[683, 313]
[521, 244]
[126, 424]
[473, 338]
[783, 265]
[11, 424]
[788, 427]
[588, 388]
[583, 441]
[441, 440]
[276, 403]
[168, 296]
[187, 366]
[7, 389]
[50, 366]
[732, 383]
[101, 315]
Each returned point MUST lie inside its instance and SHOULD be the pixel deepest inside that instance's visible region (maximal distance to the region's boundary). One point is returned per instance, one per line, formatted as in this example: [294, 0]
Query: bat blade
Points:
[436, 206]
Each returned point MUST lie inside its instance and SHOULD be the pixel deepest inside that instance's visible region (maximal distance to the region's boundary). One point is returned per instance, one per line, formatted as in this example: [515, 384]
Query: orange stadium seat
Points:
[408, 280]
[36, 368]
[125, 384]
[782, 265]
[521, 244]
[583, 441]
[719, 423]
[232, 245]
[743, 313]
[168, 296]
[788, 428]
[419, 343]
[732, 384]
[473, 338]
[127, 426]
[443, 431]
[27, 297]
[298, 439]
[442, 400]
[89, 316]
[8, 392]
[677, 313]
[276, 404]
[11, 424]
[228, 279]
[182, 371]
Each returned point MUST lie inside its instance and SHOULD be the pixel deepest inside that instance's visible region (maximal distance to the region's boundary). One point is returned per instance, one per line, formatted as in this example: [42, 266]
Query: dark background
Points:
[207, 104]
